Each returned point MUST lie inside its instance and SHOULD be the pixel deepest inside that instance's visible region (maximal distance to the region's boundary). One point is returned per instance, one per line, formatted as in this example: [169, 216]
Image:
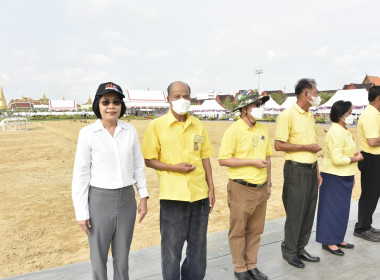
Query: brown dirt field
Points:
[37, 223]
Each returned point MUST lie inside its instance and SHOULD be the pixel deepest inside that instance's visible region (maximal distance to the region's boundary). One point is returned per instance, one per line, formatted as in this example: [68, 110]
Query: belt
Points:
[245, 183]
[307, 165]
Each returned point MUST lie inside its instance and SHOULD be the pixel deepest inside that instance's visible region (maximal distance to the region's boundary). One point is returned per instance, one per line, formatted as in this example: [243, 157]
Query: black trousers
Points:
[182, 221]
[370, 183]
[299, 195]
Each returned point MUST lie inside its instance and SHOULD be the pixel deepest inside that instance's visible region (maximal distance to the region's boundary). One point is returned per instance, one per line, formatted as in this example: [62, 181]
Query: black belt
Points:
[245, 183]
[307, 165]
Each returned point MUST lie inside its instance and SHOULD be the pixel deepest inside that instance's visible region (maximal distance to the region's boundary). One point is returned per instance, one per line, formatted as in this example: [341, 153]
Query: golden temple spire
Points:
[3, 103]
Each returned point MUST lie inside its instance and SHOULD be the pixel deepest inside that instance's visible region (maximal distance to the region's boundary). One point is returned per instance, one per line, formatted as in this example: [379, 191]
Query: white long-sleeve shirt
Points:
[106, 162]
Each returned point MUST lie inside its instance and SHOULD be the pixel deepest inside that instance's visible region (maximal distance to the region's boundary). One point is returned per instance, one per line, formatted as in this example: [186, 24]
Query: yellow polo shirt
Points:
[339, 147]
[296, 126]
[369, 127]
[241, 141]
[172, 142]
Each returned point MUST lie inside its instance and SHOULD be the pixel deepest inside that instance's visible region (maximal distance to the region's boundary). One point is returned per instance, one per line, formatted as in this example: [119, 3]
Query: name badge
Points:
[198, 139]
[255, 141]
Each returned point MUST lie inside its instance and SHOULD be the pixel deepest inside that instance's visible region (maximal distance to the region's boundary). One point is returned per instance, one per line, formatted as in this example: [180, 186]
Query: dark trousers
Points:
[182, 221]
[299, 196]
[370, 183]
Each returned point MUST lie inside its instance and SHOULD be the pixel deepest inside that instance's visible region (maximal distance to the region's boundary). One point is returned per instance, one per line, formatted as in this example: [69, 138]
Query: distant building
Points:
[3, 102]
[371, 80]
[87, 105]
[269, 92]
[211, 94]
[366, 86]
[222, 98]
[23, 106]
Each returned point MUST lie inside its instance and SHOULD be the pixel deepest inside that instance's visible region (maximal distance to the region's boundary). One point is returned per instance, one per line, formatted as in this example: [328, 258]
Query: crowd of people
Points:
[109, 161]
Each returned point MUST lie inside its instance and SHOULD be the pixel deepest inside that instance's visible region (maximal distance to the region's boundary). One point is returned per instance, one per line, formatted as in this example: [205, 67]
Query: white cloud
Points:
[344, 60]
[157, 53]
[122, 51]
[112, 36]
[4, 77]
[322, 52]
[273, 55]
[99, 59]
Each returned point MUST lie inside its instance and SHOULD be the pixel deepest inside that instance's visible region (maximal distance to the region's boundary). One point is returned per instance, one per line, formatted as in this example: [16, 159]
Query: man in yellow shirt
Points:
[369, 140]
[178, 147]
[246, 150]
[296, 136]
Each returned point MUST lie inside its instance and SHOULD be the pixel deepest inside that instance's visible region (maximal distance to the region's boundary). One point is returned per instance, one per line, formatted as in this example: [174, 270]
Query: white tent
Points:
[146, 99]
[358, 98]
[271, 107]
[289, 102]
[210, 108]
[59, 105]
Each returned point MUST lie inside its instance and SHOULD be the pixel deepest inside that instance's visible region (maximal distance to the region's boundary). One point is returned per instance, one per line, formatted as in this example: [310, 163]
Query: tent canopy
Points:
[358, 98]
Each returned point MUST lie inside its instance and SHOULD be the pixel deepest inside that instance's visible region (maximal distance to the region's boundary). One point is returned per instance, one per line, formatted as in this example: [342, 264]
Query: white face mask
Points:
[315, 100]
[349, 119]
[181, 106]
[257, 113]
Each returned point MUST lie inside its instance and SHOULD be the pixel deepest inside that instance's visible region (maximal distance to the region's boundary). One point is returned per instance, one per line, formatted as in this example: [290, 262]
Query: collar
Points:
[172, 119]
[300, 110]
[244, 125]
[97, 126]
[373, 109]
[338, 126]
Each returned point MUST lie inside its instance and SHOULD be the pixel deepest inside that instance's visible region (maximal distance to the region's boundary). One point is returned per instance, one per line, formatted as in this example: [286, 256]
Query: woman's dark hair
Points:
[95, 108]
[302, 84]
[373, 93]
[338, 109]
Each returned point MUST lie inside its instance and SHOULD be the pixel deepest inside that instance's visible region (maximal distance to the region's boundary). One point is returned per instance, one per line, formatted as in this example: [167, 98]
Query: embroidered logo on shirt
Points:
[262, 137]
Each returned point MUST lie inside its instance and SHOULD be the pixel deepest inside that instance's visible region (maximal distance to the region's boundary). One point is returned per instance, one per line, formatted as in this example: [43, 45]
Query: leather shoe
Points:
[305, 256]
[368, 235]
[346, 246]
[375, 230]
[338, 252]
[295, 261]
[257, 274]
[242, 275]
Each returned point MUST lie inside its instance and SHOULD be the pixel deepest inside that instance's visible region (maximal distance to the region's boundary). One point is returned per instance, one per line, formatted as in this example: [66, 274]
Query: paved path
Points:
[363, 262]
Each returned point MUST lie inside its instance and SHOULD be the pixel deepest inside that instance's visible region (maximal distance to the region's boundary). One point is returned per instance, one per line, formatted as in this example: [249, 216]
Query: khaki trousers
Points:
[247, 217]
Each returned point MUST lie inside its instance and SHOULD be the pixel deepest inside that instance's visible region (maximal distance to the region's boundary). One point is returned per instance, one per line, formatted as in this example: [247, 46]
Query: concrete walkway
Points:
[363, 262]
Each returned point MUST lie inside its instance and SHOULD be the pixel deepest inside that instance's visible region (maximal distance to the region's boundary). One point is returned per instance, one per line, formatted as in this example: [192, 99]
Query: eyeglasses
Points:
[114, 102]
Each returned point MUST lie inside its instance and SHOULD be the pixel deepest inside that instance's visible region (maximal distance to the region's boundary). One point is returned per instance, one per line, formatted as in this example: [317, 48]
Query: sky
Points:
[68, 47]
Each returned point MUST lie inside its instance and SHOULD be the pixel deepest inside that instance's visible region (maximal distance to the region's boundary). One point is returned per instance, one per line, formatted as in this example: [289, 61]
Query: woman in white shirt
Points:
[108, 162]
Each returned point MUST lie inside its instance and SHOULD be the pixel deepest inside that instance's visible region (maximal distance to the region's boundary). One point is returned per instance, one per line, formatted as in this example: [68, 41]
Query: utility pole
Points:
[258, 72]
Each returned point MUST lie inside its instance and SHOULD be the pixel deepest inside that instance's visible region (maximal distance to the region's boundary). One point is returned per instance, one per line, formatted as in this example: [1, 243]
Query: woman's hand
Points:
[143, 208]
[85, 226]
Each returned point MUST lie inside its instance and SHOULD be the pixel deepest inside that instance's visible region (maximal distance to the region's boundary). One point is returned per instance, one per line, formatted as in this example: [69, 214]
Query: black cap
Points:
[109, 87]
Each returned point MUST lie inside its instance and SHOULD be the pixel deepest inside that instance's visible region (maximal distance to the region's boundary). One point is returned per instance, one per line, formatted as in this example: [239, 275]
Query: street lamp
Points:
[258, 72]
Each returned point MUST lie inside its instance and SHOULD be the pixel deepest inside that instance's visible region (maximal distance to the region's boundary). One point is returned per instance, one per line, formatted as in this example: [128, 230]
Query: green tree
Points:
[230, 105]
[279, 98]
[325, 96]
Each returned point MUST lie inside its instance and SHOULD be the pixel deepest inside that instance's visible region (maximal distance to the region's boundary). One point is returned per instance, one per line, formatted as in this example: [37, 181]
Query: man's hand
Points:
[85, 226]
[269, 191]
[319, 180]
[260, 163]
[314, 148]
[142, 208]
[184, 167]
[211, 198]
